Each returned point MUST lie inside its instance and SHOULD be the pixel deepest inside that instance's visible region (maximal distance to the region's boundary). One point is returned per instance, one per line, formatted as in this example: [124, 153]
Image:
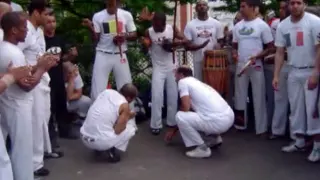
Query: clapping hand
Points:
[19, 72]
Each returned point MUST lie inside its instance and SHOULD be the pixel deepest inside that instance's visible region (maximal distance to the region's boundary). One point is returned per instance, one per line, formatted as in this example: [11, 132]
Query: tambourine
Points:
[51, 51]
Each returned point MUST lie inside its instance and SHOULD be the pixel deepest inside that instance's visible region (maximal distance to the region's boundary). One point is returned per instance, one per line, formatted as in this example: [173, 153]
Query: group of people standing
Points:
[39, 86]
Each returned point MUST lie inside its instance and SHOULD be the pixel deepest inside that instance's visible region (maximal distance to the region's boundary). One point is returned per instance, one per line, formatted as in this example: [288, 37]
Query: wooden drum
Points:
[215, 70]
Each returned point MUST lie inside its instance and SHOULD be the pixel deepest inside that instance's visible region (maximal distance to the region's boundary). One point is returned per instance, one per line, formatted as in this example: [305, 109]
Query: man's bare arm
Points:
[131, 36]
[266, 51]
[185, 104]
[124, 116]
[279, 59]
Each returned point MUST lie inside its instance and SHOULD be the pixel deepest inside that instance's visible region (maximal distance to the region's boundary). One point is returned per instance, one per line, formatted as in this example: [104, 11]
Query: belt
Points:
[113, 53]
[88, 139]
[303, 67]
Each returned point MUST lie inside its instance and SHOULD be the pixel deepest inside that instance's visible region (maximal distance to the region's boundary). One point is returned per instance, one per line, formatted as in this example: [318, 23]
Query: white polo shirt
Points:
[105, 25]
[103, 115]
[251, 36]
[300, 39]
[198, 32]
[205, 100]
[10, 52]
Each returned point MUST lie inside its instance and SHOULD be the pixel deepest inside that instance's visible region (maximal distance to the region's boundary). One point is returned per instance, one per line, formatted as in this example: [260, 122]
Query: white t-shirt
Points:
[33, 46]
[251, 36]
[103, 115]
[10, 52]
[300, 39]
[105, 24]
[199, 31]
[161, 58]
[1, 34]
[205, 100]
[16, 7]
[274, 26]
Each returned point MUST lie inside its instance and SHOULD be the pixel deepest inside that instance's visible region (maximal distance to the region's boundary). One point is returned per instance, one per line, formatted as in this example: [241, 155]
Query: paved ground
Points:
[242, 157]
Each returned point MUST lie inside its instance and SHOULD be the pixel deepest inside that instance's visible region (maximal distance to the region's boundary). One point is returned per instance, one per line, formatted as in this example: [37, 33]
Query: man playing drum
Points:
[211, 115]
[249, 36]
[200, 30]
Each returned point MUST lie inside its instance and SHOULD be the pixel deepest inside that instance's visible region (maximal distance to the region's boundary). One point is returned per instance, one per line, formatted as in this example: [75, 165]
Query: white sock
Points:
[300, 142]
[316, 145]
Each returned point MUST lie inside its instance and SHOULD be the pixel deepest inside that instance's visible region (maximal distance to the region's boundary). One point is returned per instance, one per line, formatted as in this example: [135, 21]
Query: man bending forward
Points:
[211, 114]
[108, 126]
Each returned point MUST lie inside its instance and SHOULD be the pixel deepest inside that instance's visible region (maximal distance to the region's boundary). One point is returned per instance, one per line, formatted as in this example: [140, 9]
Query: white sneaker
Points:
[292, 148]
[213, 142]
[199, 153]
[315, 155]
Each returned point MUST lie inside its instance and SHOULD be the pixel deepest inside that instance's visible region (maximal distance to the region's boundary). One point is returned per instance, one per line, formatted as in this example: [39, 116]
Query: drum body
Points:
[216, 70]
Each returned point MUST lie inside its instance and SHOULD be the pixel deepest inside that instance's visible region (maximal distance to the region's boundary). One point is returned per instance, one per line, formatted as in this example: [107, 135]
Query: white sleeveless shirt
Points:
[161, 58]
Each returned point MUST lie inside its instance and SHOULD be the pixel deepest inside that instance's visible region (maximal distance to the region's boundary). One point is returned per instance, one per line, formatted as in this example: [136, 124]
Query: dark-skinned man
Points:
[16, 102]
[249, 37]
[200, 30]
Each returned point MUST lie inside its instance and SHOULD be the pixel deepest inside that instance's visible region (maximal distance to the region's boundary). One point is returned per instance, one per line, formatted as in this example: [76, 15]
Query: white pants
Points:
[80, 106]
[256, 77]
[160, 78]
[197, 70]
[16, 119]
[5, 163]
[103, 65]
[302, 103]
[190, 123]
[40, 119]
[268, 72]
[103, 143]
[281, 104]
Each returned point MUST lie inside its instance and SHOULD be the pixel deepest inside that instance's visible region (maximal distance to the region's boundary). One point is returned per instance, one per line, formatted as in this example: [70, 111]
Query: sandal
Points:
[155, 131]
[54, 155]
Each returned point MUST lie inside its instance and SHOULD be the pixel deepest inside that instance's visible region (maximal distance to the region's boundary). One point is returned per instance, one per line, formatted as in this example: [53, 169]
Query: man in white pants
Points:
[34, 46]
[77, 102]
[109, 58]
[281, 102]
[249, 36]
[107, 127]
[162, 72]
[300, 35]
[211, 114]
[203, 29]
[16, 102]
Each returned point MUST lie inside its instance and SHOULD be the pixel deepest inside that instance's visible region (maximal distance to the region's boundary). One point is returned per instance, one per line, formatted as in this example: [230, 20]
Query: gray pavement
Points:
[243, 156]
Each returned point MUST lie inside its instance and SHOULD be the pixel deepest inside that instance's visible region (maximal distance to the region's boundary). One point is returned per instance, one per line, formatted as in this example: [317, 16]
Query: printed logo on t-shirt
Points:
[159, 40]
[299, 35]
[287, 39]
[204, 31]
[110, 27]
[246, 31]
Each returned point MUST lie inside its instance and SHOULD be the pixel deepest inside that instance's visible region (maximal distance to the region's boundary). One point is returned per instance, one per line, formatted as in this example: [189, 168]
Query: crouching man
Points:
[77, 102]
[210, 115]
[108, 126]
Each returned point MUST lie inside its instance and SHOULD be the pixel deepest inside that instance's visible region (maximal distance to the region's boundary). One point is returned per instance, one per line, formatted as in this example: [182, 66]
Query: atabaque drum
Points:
[215, 70]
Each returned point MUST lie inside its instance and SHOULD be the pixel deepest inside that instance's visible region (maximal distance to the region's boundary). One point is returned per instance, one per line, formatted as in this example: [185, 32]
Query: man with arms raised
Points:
[107, 127]
[249, 37]
[212, 115]
[16, 101]
[203, 29]
[300, 35]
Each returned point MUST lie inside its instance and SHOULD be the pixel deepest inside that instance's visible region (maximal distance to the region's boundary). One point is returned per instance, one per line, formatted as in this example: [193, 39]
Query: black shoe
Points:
[71, 135]
[113, 155]
[41, 172]
[156, 132]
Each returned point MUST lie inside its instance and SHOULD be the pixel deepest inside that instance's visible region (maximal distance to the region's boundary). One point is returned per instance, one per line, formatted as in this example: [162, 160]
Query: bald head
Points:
[129, 91]
[4, 8]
